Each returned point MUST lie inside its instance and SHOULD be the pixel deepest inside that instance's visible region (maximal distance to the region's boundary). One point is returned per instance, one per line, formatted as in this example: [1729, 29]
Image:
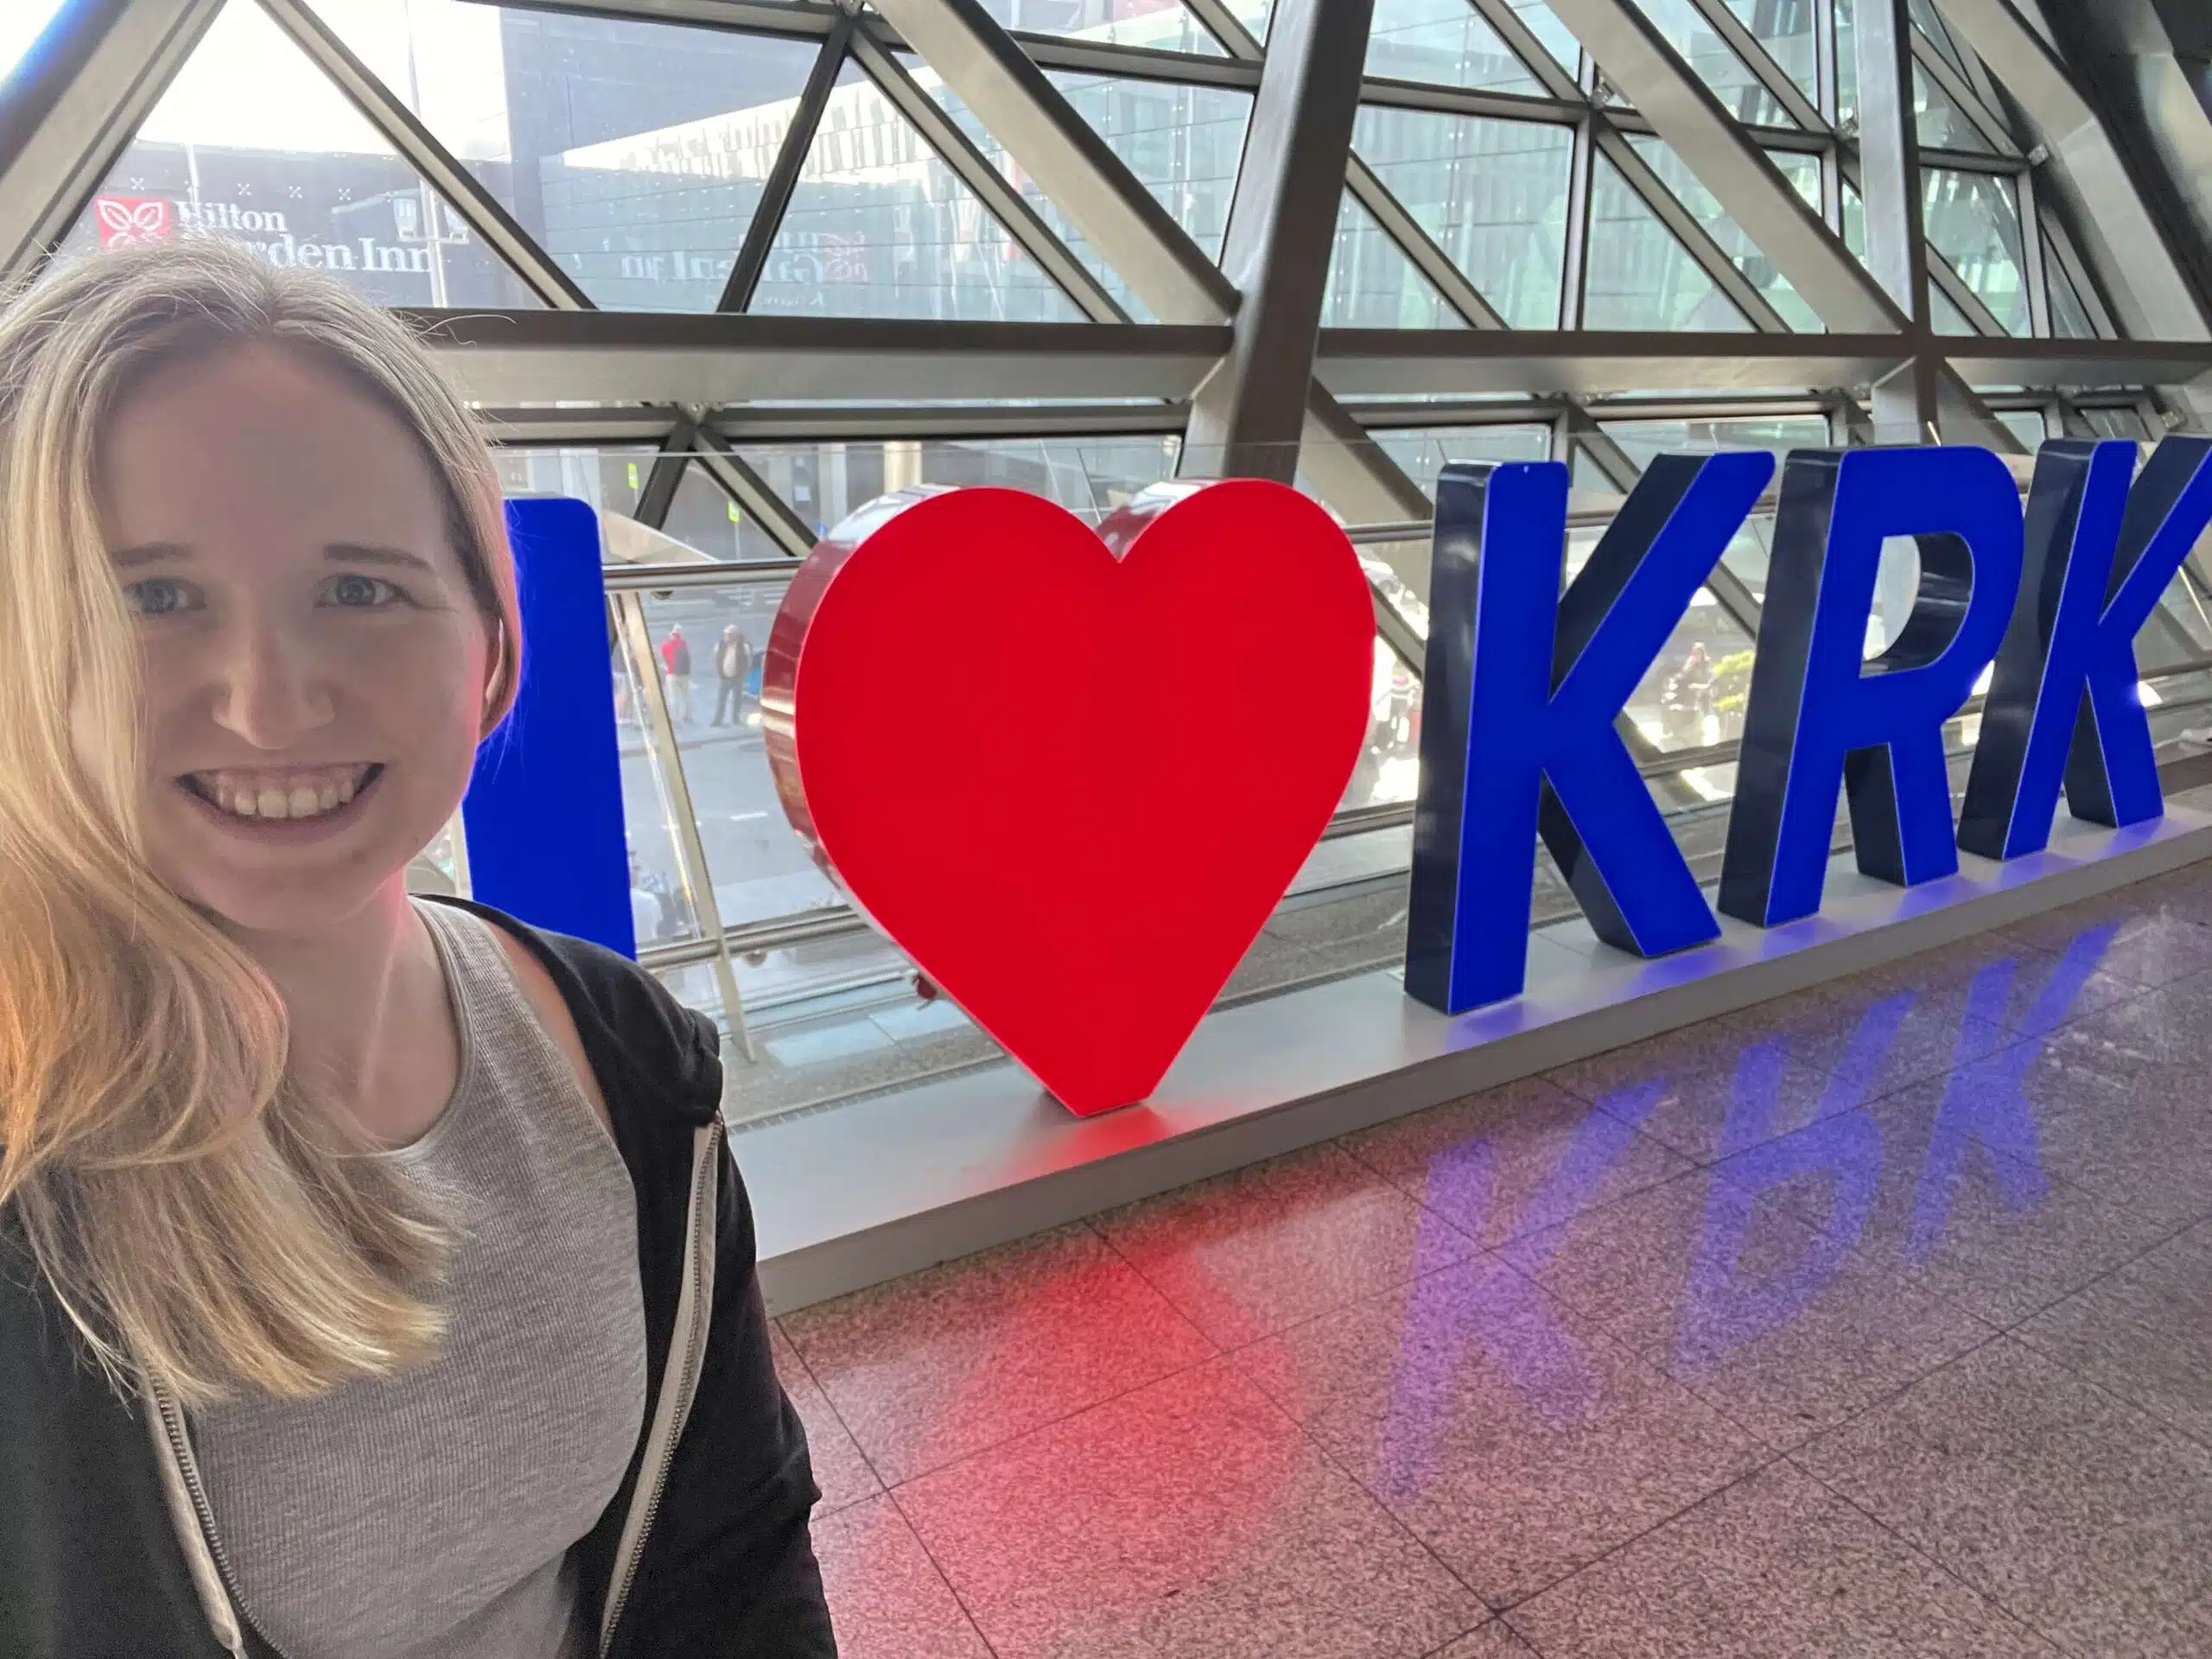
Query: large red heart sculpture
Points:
[1071, 773]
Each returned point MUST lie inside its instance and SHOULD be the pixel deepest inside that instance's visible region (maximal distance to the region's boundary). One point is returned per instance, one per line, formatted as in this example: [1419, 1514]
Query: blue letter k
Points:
[1522, 692]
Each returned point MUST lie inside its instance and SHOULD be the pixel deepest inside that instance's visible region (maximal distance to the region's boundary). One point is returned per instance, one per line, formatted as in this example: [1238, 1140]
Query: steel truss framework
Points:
[1885, 338]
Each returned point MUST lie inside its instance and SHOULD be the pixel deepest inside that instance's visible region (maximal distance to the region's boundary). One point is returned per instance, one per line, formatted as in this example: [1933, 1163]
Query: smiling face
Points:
[316, 662]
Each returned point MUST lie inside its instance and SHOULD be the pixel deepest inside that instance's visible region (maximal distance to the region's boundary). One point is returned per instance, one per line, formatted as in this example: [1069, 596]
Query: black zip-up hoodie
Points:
[704, 1551]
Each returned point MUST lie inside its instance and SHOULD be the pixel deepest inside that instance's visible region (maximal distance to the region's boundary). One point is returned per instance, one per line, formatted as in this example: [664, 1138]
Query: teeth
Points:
[305, 794]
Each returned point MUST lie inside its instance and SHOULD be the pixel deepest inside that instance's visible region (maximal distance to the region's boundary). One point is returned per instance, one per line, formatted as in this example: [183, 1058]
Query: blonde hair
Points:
[199, 1221]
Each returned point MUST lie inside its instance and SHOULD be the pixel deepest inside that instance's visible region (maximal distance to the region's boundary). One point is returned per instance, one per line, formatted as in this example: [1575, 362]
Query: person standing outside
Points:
[676, 657]
[732, 662]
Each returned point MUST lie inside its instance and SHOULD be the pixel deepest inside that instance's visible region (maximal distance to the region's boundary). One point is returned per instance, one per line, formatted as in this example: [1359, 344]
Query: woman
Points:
[375, 1280]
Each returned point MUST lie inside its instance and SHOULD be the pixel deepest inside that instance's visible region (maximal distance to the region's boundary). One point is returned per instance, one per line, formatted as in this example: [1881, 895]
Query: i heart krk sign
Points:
[1072, 773]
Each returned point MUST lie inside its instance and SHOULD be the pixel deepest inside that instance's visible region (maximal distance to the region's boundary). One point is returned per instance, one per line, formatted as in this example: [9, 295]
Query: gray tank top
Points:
[428, 1515]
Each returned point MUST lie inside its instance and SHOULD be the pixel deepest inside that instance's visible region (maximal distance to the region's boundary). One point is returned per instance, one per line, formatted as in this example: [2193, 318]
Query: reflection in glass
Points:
[1492, 194]
[1802, 171]
[2069, 317]
[1422, 451]
[1940, 122]
[880, 227]
[1973, 221]
[251, 144]
[1183, 143]
[1372, 284]
[1090, 477]
[1638, 276]
[1714, 62]
[636, 151]
[1160, 25]
[1445, 42]
[1784, 28]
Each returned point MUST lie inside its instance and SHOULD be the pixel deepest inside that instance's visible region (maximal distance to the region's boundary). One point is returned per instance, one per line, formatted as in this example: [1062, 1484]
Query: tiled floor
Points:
[1874, 1323]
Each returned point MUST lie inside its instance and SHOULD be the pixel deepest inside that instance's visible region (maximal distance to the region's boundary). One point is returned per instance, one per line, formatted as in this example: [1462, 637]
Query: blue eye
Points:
[160, 596]
[358, 593]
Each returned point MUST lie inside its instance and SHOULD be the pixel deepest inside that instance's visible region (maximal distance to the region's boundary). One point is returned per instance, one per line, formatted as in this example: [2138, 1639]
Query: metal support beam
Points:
[1940, 70]
[2125, 242]
[1246, 419]
[997, 193]
[2138, 56]
[1723, 22]
[664, 478]
[1020, 107]
[754, 494]
[1889, 188]
[73, 104]
[403, 130]
[1685, 226]
[1636, 58]
[783, 174]
[542, 357]
[1402, 227]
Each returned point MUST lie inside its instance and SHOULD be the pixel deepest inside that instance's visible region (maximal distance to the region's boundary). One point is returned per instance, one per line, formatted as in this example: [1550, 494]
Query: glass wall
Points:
[642, 156]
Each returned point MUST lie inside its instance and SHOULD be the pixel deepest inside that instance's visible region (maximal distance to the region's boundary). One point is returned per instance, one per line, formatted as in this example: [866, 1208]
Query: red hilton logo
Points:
[126, 222]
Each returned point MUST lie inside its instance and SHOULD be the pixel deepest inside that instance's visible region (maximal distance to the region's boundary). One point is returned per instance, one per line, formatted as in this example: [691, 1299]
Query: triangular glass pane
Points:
[1492, 194]
[1040, 204]
[1256, 16]
[1714, 61]
[1784, 28]
[879, 226]
[1557, 38]
[251, 144]
[1422, 452]
[1638, 276]
[1946, 317]
[1930, 21]
[1163, 25]
[2069, 316]
[1973, 220]
[1742, 251]
[1444, 41]
[1372, 285]
[1183, 143]
[1939, 120]
[634, 151]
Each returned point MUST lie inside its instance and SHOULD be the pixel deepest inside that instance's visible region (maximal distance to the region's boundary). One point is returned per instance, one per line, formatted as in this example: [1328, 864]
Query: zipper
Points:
[681, 1380]
[188, 1469]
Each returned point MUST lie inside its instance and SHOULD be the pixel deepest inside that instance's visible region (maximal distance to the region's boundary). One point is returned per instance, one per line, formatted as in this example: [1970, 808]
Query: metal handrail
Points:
[840, 920]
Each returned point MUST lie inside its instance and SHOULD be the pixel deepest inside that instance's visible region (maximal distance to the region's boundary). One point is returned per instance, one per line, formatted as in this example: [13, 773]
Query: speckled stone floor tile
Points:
[1938, 1185]
[2141, 1139]
[1515, 1441]
[2156, 1034]
[1495, 1640]
[1748, 1306]
[945, 1363]
[1866, 1037]
[1705, 1049]
[2025, 990]
[1191, 1518]
[1772, 1568]
[2145, 1332]
[840, 1468]
[1248, 1253]
[2079, 1513]
[1762, 1095]
[886, 1600]
[2138, 933]
[1514, 1160]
